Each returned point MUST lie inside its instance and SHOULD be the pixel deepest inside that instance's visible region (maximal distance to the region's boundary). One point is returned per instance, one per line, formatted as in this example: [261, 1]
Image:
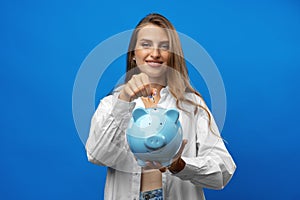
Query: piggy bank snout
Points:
[155, 142]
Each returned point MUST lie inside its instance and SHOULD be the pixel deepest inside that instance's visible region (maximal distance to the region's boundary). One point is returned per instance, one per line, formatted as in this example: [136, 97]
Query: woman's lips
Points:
[154, 63]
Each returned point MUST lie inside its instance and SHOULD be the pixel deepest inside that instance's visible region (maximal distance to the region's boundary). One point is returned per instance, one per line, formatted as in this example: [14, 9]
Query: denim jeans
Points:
[156, 194]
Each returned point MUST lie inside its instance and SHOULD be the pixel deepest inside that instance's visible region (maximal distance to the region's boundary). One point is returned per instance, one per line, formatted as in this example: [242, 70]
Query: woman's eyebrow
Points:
[147, 40]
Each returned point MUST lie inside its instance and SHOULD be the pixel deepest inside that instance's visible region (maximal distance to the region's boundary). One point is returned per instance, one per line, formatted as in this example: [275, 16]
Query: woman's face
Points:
[152, 52]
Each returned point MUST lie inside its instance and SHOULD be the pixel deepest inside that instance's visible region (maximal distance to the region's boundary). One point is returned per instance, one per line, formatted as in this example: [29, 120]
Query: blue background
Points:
[255, 45]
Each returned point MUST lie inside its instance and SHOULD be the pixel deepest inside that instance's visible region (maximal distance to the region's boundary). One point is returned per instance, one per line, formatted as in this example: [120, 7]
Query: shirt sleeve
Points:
[213, 166]
[106, 144]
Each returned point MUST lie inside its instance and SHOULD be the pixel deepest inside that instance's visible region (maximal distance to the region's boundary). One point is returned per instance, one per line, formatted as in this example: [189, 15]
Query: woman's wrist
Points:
[177, 166]
[124, 97]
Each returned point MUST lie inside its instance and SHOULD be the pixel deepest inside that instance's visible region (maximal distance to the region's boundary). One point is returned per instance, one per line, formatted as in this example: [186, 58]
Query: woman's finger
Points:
[140, 85]
[146, 83]
[153, 165]
[163, 169]
[133, 89]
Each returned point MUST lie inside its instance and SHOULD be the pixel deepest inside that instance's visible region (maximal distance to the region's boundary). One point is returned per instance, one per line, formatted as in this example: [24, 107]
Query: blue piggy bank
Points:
[154, 134]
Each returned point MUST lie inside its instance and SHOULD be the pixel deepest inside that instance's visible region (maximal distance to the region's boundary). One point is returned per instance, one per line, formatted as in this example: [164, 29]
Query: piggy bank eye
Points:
[160, 123]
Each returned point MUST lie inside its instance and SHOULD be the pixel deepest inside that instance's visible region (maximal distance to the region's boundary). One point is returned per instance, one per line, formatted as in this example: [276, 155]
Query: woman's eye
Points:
[146, 45]
[165, 47]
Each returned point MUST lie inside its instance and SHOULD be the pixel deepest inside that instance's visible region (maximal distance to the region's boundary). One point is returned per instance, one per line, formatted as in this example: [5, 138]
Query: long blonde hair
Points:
[177, 79]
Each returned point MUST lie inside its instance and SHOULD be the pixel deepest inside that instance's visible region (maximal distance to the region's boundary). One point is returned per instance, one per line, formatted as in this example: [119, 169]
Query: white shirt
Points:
[208, 163]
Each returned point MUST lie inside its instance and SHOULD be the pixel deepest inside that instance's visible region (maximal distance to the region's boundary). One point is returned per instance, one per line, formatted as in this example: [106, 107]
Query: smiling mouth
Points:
[153, 63]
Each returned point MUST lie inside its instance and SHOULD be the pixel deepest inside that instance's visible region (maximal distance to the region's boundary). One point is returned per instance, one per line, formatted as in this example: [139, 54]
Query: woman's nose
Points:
[155, 53]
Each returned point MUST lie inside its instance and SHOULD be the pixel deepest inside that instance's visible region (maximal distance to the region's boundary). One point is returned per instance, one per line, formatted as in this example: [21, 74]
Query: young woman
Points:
[156, 68]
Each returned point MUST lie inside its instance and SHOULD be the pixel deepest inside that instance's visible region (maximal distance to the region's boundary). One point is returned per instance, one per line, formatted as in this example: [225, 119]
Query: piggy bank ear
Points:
[137, 113]
[172, 114]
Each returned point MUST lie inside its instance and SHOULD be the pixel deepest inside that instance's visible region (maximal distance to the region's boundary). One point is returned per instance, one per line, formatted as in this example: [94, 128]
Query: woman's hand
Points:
[137, 86]
[177, 163]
